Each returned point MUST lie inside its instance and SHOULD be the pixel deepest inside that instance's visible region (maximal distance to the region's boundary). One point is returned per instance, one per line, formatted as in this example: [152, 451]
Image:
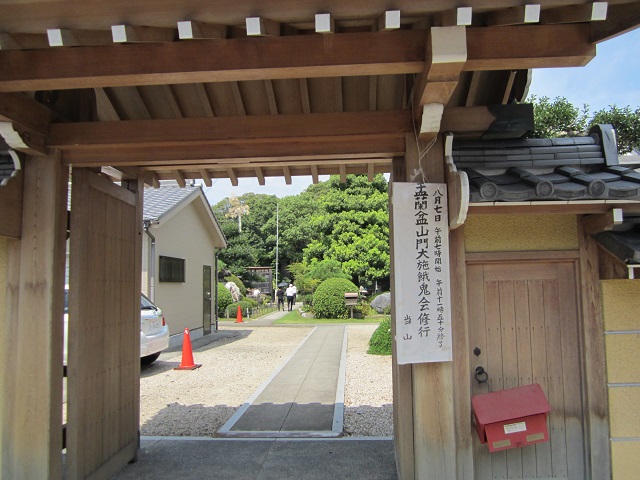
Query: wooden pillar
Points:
[597, 419]
[31, 350]
[424, 413]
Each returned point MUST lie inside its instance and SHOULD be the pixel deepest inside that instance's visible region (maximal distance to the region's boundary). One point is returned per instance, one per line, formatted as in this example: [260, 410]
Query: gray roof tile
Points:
[159, 201]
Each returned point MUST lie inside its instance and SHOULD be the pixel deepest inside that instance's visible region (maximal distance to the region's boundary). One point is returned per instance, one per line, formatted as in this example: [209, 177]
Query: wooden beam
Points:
[106, 109]
[233, 177]
[24, 111]
[135, 34]
[203, 98]
[22, 139]
[370, 171]
[260, 175]
[179, 178]
[260, 27]
[204, 173]
[518, 48]
[59, 37]
[390, 20]
[192, 131]
[509, 86]
[603, 222]
[620, 19]
[237, 98]
[287, 175]
[11, 195]
[461, 16]
[366, 53]
[585, 12]
[151, 178]
[271, 97]
[189, 30]
[304, 95]
[343, 173]
[430, 124]
[314, 174]
[529, 13]
[446, 54]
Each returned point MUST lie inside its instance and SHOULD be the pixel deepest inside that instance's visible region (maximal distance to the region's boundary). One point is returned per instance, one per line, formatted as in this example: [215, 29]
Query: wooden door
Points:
[104, 326]
[524, 328]
[206, 299]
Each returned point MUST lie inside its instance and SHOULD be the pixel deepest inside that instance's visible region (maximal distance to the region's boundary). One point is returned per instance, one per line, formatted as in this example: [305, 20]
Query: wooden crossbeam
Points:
[24, 111]
[461, 16]
[259, 27]
[135, 34]
[179, 177]
[529, 13]
[189, 30]
[260, 175]
[603, 222]
[365, 53]
[204, 173]
[620, 19]
[585, 12]
[233, 177]
[198, 131]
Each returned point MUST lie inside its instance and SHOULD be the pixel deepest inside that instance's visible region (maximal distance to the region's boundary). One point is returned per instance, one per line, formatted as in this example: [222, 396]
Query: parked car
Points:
[154, 332]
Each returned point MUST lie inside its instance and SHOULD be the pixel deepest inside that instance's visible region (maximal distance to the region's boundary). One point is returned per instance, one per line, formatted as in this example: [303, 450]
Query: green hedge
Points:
[233, 308]
[224, 298]
[380, 341]
[328, 299]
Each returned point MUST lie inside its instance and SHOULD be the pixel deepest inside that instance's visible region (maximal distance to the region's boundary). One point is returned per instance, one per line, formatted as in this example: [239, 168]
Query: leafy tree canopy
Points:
[560, 118]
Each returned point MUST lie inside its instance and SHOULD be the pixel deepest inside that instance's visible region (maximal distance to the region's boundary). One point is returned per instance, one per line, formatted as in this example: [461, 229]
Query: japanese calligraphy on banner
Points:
[421, 285]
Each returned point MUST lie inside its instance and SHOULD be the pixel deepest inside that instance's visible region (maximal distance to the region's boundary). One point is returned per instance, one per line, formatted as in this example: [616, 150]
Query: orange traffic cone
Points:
[187, 354]
[239, 315]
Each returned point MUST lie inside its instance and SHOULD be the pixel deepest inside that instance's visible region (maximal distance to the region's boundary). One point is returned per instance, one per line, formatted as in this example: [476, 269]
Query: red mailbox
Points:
[511, 418]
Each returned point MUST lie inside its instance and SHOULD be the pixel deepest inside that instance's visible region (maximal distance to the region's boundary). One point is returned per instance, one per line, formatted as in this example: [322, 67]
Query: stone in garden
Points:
[381, 302]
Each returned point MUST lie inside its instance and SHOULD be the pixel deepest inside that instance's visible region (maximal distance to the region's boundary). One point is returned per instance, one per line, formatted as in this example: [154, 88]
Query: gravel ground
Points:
[199, 402]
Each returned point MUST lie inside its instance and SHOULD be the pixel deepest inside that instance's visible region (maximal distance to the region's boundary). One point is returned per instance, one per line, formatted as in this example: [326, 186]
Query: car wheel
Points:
[149, 358]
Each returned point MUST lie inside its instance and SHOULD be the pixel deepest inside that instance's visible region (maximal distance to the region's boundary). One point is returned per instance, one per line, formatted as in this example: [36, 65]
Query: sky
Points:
[611, 78]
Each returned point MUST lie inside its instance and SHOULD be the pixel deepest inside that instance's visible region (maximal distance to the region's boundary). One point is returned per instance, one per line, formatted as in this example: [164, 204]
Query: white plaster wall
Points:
[184, 235]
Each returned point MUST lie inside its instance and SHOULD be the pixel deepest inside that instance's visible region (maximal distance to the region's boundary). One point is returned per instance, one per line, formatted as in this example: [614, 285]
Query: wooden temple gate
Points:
[215, 96]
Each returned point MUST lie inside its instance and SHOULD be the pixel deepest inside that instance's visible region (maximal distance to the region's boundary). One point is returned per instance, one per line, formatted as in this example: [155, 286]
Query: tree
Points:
[559, 118]
[237, 208]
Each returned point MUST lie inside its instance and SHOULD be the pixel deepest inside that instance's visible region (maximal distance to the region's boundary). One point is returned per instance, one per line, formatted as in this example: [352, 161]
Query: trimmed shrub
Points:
[380, 341]
[233, 308]
[307, 299]
[328, 299]
[224, 298]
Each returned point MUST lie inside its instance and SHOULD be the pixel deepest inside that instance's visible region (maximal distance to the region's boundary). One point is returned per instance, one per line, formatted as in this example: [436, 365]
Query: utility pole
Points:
[277, 240]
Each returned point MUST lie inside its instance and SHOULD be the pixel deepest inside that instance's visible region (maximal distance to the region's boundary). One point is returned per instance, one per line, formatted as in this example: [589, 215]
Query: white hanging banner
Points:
[421, 267]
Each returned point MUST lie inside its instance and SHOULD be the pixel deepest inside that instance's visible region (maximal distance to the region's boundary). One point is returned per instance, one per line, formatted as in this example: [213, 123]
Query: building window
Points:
[172, 269]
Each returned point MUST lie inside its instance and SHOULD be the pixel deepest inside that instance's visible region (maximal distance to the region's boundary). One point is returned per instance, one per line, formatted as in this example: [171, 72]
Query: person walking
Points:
[290, 296]
[280, 297]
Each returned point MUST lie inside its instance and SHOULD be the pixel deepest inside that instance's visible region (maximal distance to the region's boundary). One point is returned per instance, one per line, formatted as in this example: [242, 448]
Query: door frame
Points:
[591, 341]
[206, 329]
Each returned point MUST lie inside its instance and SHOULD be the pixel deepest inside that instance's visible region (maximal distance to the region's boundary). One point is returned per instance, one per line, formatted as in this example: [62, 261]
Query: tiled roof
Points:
[579, 168]
[159, 201]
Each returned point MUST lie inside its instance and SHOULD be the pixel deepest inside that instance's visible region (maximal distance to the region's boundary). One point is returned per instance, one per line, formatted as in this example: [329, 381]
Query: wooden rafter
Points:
[620, 19]
[198, 131]
[585, 12]
[179, 177]
[260, 175]
[106, 109]
[314, 173]
[367, 53]
[233, 177]
[24, 111]
[287, 175]
[189, 30]
[205, 177]
[529, 13]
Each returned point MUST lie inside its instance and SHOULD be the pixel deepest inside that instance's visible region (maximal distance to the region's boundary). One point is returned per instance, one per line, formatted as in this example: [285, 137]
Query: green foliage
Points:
[626, 123]
[328, 299]
[238, 282]
[224, 298]
[559, 118]
[380, 341]
[233, 308]
[307, 299]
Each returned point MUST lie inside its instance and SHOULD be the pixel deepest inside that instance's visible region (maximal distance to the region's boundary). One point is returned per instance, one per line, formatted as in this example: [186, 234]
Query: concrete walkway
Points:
[171, 458]
[304, 397]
